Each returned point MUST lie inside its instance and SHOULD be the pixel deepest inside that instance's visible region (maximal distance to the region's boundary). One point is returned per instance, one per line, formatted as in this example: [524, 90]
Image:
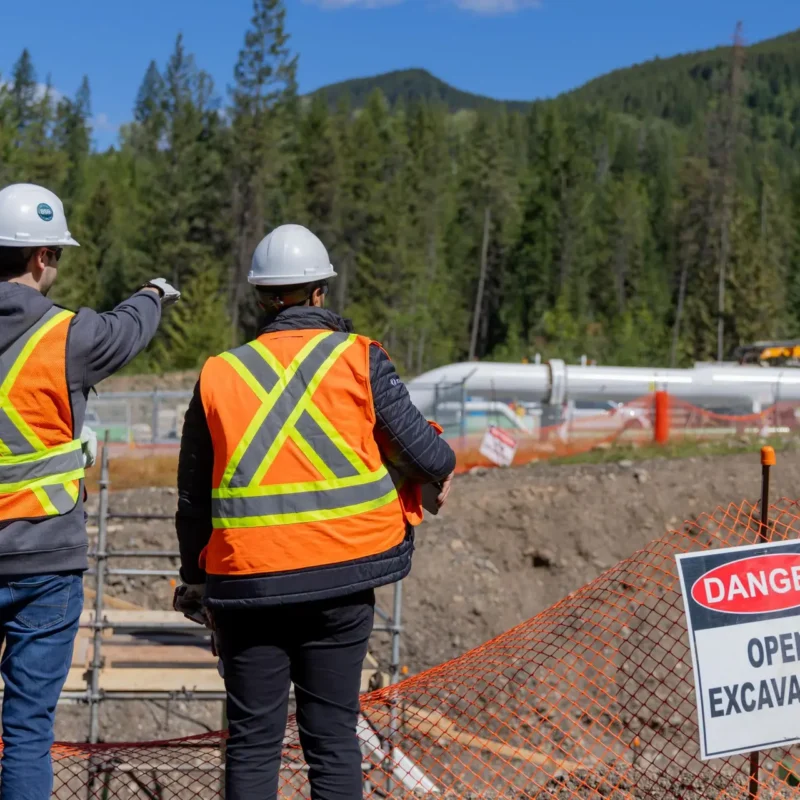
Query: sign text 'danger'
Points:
[753, 585]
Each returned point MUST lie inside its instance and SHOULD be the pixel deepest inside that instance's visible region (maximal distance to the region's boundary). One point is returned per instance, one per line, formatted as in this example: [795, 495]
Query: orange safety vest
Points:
[41, 463]
[298, 478]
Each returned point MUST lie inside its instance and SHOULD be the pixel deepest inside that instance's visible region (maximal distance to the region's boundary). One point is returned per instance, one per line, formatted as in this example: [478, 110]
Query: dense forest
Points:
[650, 217]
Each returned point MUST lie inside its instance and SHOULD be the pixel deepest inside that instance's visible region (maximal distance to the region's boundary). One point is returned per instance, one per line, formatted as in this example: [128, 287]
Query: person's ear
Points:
[39, 261]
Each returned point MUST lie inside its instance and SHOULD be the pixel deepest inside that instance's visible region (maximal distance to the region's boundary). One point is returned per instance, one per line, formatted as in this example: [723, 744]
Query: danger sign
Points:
[498, 447]
[743, 613]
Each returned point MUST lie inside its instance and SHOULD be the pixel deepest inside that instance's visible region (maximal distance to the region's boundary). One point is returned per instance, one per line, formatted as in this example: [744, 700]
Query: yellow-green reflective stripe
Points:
[304, 401]
[268, 399]
[8, 384]
[46, 502]
[48, 480]
[296, 488]
[58, 450]
[337, 439]
[299, 503]
[322, 515]
[72, 488]
[308, 451]
[24, 429]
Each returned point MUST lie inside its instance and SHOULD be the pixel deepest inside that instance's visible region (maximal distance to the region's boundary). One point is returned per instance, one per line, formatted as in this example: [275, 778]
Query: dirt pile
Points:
[509, 544]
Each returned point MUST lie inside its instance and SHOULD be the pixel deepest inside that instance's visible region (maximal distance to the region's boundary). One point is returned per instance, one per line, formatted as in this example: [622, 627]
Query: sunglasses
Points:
[56, 251]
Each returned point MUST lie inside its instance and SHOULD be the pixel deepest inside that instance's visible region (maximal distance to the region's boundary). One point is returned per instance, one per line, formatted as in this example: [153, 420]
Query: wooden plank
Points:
[132, 616]
[149, 680]
[434, 724]
[161, 679]
[157, 653]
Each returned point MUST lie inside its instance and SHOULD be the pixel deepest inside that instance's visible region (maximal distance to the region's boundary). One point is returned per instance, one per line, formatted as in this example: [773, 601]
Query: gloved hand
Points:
[88, 446]
[188, 600]
[169, 294]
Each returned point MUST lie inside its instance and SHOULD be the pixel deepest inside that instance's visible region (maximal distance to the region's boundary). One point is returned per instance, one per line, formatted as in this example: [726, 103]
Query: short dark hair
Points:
[13, 262]
[275, 298]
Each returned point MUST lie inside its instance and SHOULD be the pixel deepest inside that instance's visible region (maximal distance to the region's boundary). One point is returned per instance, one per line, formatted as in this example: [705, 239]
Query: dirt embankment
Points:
[509, 544]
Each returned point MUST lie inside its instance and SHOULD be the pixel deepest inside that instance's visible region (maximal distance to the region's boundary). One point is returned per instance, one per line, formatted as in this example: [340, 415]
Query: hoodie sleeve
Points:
[106, 342]
[404, 436]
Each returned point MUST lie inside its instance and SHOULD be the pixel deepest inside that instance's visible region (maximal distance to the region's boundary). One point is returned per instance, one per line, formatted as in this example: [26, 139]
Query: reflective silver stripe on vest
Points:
[284, 405]
[324, 447]
[41, 468]
[298, 502]
[60, 498]
[12, 438]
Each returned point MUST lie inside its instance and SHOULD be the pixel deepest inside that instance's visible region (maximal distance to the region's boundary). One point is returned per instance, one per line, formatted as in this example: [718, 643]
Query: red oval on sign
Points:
[751, 585]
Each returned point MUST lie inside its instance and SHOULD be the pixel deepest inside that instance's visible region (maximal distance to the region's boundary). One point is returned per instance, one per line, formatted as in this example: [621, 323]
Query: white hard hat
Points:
[290, 255]
[32, 216]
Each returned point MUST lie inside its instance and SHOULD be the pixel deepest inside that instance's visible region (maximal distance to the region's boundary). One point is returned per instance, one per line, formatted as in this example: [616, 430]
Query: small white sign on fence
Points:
[743, 612]
[499, 447]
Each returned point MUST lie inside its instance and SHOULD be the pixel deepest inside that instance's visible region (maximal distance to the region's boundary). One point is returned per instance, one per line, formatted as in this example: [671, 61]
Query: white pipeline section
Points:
[747, 389]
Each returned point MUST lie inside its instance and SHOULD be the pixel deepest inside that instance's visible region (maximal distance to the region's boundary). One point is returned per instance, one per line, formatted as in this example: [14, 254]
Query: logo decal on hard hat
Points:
[45, 212]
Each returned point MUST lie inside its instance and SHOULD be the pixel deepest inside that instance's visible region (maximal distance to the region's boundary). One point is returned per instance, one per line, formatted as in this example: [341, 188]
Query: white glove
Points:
[188, 600]
[88, 446]
[169, 294]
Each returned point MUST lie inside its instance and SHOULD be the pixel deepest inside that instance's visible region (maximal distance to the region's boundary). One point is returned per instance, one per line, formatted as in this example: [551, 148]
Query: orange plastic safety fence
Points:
[593, 698]
[630, 424]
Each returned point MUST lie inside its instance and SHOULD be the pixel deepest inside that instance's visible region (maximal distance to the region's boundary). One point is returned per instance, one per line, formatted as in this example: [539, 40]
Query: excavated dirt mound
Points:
[509, 544]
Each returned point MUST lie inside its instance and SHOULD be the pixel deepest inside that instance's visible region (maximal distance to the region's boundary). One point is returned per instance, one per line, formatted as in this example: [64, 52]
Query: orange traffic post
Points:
[767, 461]
[662, 417]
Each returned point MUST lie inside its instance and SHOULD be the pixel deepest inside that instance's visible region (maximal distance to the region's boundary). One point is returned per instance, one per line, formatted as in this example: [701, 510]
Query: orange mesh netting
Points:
[630, 424]
[592, 698]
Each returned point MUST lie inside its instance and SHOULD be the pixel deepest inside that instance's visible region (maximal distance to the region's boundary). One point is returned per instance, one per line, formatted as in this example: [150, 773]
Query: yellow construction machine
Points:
[770, 354]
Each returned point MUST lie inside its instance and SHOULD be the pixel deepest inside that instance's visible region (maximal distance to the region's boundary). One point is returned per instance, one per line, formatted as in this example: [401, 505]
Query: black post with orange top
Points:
[767, 461]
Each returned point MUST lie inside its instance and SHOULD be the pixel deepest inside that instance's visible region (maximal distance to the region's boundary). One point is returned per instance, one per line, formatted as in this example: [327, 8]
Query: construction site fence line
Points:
[631, 424]
[592, 699]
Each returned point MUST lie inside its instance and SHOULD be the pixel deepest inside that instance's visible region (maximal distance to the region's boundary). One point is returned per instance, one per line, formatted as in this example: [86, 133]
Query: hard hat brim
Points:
[66, 241]
[289, 280]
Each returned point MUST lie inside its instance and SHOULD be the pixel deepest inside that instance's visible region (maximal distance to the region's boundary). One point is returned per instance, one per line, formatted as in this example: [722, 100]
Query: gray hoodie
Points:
[98, 345]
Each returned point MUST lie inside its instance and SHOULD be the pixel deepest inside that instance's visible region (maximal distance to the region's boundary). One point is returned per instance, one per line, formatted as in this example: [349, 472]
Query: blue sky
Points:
[513, 49]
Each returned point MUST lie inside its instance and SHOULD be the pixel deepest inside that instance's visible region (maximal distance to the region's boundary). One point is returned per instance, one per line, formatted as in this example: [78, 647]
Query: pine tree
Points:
[73, 137]
[198, 326]
[265, 84]
[23, 91]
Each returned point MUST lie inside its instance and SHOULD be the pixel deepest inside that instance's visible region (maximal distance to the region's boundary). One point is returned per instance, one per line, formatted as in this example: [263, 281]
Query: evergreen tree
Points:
[265, 84]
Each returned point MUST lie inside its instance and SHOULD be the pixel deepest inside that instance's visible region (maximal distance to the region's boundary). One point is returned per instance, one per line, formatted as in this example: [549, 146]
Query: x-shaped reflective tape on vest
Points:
[288, 412]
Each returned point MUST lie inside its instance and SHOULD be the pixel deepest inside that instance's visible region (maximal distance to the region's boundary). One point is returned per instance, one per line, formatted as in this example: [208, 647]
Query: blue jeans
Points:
[39, 619]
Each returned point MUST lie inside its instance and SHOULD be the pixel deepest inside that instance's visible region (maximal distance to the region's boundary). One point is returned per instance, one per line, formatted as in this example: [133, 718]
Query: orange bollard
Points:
[662, 417]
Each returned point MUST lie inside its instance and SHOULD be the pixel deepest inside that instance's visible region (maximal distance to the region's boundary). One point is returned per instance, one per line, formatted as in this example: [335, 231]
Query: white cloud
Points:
[39, 93]
[335, 5]
[483, 7]
[101, 123]
[42, 88]
[494, 7]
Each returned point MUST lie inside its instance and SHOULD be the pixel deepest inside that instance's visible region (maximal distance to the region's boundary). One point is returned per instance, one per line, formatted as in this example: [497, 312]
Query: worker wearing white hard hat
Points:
[50, 357]
[289, 517]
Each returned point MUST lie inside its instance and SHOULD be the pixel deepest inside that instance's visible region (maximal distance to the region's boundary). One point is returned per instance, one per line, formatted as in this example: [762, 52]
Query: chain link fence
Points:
[138, 418]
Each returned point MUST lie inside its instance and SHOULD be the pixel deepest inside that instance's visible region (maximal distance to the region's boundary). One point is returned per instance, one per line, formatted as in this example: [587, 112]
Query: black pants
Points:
[320, 647]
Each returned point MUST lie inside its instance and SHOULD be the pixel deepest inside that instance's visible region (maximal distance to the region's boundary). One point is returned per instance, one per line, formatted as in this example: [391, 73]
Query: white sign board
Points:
[498, 447]
[743, 612]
